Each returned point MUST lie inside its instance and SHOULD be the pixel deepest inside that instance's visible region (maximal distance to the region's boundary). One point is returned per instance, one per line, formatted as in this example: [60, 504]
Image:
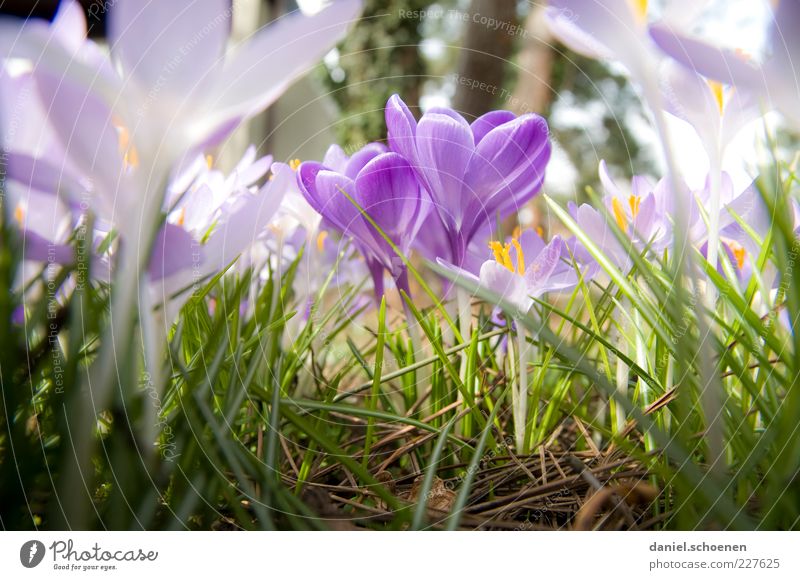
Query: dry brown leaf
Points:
[440, 498]
[633, 493]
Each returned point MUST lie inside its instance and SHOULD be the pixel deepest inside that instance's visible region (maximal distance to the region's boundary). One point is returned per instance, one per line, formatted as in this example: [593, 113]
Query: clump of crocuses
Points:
[475, 174]
[455, 177]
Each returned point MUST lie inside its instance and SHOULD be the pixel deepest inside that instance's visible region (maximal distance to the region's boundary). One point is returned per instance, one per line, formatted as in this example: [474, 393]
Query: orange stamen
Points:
[619, 214]
[323, 235]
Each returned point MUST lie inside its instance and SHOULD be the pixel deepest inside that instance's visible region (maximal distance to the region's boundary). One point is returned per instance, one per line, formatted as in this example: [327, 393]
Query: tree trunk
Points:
[533, 92]
[490, 29]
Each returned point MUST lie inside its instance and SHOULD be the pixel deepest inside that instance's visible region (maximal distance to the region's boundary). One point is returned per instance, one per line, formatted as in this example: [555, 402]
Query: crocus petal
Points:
[596, 229]
[641, 186]
[609, 185]
[40, 175]
[506, 151]
[84, 126]
[401, 128]
[502, 156]
[742, 106]
[44, 213]
[507, 284]
[566, 274]
[246, 219]
[460, 272]
[173, 251]
[388, 191]
[247, 159]
[375, 268]
[644, 221]
[432, 239]
[525, 186]
[562, 23]
[783, 69]
[361, 157]
[564, 277]
[491, 120]
[280, 53]
[743, 274]
[722, 65]
[40, 249]
[250, 170]
[530, 242]
[602, 30]
[32, 40]
[688, 96]
[170, 45]
[323, 191]
[748, 207]
[18, 102]
[335, 158]
[538, 272]
[196, 209]
[444, 148]
[69, 25]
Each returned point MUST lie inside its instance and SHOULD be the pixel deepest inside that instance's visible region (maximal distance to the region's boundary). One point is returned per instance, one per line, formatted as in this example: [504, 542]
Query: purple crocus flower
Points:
[642, 210]
[746, 207]
[206, 232]
[384, 186]
[775, 78]
[472, 172]
[612, 29]
[100, 138]
[521, 269]
[617, 30]
[738, 256]
[168, 65]
[716, 112]
[123, 122]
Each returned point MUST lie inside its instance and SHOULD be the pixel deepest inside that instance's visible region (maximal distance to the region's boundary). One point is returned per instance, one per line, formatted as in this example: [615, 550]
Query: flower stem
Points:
[622, 384]
[715, 176]
[465, 327]
[519, 394]
[411, 321]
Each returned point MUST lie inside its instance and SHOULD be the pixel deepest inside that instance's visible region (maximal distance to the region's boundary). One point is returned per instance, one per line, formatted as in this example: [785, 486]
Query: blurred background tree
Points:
[380, 57]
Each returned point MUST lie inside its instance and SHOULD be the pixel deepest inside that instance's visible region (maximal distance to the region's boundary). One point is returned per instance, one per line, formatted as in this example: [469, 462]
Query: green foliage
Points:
[380, 57]
[259, 427]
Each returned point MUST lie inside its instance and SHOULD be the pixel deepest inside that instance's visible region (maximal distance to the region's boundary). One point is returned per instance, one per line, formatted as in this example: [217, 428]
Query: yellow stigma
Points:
[719, 94]
[516, 233]
[640, 9]
[19, 214]
[634, 201]
[295, 164]
[738, 252]
[323, 235]
[619, 214]
[209, 161]
[130, 157]
[520, 257]
[502, 253]
[182, 216]
[540, 231]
